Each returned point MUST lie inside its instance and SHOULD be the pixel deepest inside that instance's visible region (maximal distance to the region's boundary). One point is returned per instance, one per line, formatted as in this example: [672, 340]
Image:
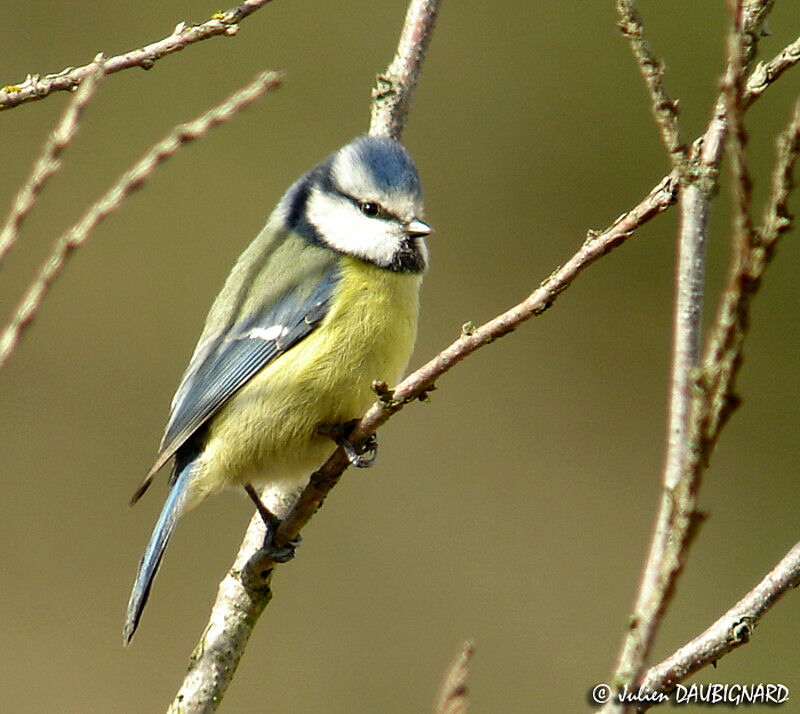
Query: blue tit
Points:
[323, 302]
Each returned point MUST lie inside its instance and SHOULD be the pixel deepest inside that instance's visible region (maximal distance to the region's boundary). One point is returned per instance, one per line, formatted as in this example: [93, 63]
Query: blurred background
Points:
[516, 507]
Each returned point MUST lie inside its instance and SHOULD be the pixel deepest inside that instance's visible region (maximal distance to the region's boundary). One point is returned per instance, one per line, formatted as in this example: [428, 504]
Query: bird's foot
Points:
[340, 433]
[283, 554]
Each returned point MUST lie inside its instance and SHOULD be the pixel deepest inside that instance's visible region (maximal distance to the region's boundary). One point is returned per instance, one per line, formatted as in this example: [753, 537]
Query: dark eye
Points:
[370, 208]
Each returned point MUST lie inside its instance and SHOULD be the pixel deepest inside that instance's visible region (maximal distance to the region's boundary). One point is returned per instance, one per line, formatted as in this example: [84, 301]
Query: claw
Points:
[279, 555]
[340, 432]
[367, 457]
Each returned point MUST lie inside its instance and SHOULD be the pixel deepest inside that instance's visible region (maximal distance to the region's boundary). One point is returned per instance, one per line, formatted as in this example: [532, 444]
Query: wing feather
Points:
[232, 359]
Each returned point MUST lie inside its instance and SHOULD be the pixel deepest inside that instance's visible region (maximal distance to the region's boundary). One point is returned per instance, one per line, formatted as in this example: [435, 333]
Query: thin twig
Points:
[677, 518]
[49, 160]
[733, 92]
[394, 90]
[452, 697]
[36, 86]
[752, 18]
[110, 201]
[665, 111]
[765, 73]
[776, 213]
[729, 632]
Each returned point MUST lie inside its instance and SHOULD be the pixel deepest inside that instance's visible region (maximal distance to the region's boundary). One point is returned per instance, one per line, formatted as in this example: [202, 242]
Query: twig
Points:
[709, 147]
[730, 326]
[49, 161]
[37, 87]
[765, 73]
[730, 631]
[776, 214]
[733, 92]
[665, 111]
[394, 90]
[111, 200]
[677, 518]
[452, 697]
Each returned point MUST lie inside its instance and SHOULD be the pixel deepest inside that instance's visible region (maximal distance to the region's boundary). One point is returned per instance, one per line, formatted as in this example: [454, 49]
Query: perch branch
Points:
[36, 86]
[245, 590]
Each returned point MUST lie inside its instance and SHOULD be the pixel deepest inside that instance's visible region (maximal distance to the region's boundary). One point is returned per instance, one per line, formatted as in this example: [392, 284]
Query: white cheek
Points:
[345, 228]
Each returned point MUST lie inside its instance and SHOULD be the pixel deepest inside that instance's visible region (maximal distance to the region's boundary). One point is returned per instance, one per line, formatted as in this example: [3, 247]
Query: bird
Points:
[319, 307]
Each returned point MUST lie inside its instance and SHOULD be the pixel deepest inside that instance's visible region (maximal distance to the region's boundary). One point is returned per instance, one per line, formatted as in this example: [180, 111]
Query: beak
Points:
[417, 228]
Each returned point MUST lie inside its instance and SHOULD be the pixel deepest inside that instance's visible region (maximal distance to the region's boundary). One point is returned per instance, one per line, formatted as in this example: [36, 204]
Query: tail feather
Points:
[148, 565]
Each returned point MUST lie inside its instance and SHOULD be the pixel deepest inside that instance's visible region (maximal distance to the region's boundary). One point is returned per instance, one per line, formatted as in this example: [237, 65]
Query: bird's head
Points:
[365, 201]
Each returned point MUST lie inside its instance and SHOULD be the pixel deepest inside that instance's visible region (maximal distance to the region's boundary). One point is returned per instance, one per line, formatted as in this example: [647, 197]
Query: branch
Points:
[393, 92]
[730, 631]
[49, 161]
[221, 23]
[110, 201]
[677, 519]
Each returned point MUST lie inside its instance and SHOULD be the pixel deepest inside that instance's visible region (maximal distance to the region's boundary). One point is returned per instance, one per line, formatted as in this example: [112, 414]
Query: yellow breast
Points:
[267, 431]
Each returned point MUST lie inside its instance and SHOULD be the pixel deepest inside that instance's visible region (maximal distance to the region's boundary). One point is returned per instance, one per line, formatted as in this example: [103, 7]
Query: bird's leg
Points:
[272, 522]
[340, 433]
[269, 518]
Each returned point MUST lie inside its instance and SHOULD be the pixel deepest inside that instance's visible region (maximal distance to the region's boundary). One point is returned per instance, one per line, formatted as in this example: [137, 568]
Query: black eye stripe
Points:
[372, 209]
[375, 210]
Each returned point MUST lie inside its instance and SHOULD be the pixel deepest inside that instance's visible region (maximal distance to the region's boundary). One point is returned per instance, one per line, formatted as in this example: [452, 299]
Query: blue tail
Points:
[148, 565]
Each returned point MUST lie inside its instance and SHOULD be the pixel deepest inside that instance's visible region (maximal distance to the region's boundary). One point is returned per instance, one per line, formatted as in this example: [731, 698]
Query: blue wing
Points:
[233, 358]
